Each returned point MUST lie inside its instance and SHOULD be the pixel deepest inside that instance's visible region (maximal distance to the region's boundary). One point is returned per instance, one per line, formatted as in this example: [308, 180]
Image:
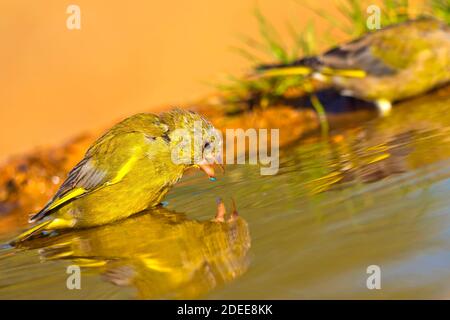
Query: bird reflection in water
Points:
[161, 253]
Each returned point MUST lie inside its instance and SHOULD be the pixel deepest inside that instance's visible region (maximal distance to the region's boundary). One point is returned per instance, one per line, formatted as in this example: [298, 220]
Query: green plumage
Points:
[400, 61]
[127, 170]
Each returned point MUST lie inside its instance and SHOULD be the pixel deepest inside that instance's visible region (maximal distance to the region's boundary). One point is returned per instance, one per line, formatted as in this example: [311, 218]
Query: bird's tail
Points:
[30, 232]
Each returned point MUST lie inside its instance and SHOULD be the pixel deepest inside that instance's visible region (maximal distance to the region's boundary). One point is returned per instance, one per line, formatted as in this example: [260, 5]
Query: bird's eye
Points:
[206, 145]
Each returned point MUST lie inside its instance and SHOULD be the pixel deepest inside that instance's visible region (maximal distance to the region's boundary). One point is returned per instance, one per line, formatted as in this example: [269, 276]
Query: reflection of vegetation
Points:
[160, 253]
[261, 92]
[441, 9]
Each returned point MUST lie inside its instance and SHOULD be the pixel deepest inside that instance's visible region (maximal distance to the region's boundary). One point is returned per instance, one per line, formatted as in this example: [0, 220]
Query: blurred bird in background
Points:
[383, 66]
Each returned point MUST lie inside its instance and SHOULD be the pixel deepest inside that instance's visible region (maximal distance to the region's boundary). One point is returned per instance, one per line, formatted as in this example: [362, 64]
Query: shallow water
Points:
[372, 194]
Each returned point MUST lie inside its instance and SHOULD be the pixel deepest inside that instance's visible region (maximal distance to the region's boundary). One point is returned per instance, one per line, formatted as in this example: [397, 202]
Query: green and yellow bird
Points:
[383, 66]
[129, 169]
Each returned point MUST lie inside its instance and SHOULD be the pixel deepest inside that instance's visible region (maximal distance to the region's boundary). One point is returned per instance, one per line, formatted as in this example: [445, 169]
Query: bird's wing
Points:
[107, 162]
[378, 53]
[386, 51]
[357, 55]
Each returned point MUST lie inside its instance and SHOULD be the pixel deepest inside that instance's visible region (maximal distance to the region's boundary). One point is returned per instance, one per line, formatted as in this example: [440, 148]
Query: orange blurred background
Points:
[128, 57]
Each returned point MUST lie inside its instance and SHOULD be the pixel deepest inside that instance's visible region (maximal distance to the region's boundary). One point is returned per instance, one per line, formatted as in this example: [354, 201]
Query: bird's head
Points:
[194, 142]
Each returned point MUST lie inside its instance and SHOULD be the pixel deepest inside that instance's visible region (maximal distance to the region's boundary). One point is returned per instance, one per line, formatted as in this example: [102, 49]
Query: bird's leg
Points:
[384, 107]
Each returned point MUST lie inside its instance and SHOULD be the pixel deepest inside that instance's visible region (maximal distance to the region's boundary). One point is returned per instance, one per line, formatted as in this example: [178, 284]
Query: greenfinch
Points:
[129, 169]
[383, 66]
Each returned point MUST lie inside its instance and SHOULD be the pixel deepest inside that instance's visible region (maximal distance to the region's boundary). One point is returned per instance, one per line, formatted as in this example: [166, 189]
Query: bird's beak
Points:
[207, 166]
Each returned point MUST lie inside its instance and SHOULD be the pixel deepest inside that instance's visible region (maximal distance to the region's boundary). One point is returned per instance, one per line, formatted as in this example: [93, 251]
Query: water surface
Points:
[371, 194]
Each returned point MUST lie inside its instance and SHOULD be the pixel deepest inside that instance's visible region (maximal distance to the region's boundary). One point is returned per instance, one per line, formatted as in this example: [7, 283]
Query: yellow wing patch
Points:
[348, 73]
[76, 192]
[124, 170]
[68, 196]
[305, 71]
